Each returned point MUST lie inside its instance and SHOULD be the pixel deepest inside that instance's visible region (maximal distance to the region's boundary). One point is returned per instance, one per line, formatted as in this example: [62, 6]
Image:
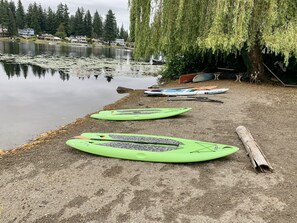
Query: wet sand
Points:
[47, 181]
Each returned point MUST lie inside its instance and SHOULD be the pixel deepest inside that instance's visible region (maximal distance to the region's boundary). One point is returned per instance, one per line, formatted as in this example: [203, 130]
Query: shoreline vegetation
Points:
[59, 24]
[64, 43]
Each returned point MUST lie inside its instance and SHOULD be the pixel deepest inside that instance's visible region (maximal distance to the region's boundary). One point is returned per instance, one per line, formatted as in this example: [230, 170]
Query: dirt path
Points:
[50, 182]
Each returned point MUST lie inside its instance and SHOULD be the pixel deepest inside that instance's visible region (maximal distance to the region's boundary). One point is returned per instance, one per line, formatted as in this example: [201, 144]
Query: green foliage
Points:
[97, 25]
[4, 17]
[49, 21]
[123, 34]
[216, 26]
[61, 31]
[88, 26]
[34, 18]
[193, 61]
[110, 27]
[12, 29]
[62, 16]
[79, 22]
[50, 25]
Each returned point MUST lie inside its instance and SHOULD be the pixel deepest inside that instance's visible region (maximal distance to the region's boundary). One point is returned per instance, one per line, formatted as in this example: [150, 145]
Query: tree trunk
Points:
[255, 58]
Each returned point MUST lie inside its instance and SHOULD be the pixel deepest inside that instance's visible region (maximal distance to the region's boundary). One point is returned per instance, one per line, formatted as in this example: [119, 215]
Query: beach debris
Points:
[258, 159]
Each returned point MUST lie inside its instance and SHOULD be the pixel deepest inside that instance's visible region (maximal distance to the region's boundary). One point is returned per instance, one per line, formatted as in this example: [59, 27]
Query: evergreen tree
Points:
[20, 15]
[66, 19]
[7, 17]
[97, 25]
[35, 19]
[11, 28]
[117, 32]
[71, 25]
[42, 18]
[79, 22]
[61, 31]
[59, 14]
[29, 15]
[59, 22]
[88, 24]
[12, 8]
[62, 16]
[110, 27]
[4, 18]
[50, 21]
[123, 33]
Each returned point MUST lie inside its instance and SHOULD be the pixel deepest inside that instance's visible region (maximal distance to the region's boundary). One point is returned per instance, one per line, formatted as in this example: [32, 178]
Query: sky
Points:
[119, 7]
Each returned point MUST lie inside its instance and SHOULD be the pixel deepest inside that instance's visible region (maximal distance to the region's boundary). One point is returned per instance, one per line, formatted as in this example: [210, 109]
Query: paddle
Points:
[193, 98]
[130, 141]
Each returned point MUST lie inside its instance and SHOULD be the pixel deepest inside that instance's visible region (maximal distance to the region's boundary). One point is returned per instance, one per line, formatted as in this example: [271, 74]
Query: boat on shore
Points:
[186, 78]
[203, 77]
[158, 62]
[185, 92]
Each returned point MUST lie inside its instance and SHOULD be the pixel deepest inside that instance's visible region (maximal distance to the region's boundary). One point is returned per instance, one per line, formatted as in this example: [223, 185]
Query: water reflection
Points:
[21, 70]
[108, 77]
[35, 100]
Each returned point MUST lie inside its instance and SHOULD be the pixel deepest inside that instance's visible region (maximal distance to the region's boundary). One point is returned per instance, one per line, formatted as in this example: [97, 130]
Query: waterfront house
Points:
[26, 32]
[120, 42]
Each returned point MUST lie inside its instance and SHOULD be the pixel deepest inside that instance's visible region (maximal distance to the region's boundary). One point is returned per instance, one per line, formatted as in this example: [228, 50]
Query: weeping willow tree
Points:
[251, 27]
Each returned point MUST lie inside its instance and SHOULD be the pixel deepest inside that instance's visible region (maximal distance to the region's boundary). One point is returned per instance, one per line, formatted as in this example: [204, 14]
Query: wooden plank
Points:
[223, 68]
[258, 158]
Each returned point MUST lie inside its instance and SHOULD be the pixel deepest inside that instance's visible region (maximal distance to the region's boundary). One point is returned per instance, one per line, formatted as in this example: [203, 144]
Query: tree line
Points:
[59, 22]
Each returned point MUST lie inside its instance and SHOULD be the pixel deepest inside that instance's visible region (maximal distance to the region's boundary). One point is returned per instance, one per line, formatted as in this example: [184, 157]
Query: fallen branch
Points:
[258, 159]
[286, 85]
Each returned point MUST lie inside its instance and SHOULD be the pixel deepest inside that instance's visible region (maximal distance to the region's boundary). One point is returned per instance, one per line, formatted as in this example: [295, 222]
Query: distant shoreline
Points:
[42, 41]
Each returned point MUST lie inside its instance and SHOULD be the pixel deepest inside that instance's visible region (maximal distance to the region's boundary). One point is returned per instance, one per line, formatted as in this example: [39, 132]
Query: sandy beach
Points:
[47, 181]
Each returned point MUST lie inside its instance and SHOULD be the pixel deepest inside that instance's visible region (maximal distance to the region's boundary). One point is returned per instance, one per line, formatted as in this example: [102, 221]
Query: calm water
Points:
[34, 100]
[29, 48]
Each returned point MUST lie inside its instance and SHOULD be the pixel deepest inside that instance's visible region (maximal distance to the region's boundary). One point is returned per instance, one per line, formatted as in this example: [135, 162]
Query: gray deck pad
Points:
[141, 147]
[137, 111]
[145, 139]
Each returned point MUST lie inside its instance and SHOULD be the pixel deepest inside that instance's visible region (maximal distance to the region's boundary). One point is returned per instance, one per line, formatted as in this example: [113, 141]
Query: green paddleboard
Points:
[149, 147]
[139, 114]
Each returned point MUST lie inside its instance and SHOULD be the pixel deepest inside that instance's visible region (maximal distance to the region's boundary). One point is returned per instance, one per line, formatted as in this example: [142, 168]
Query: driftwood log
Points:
[258, 159]
[124, 90]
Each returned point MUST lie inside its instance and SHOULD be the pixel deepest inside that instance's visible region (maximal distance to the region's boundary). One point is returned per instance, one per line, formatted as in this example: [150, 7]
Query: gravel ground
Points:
[47, 181]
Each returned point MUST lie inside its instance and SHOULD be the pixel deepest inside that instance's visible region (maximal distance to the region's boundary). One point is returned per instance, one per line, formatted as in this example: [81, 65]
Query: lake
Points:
[35, 99]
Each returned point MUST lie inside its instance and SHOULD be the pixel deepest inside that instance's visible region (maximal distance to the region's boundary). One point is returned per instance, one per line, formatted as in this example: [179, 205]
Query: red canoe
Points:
[186, 78]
